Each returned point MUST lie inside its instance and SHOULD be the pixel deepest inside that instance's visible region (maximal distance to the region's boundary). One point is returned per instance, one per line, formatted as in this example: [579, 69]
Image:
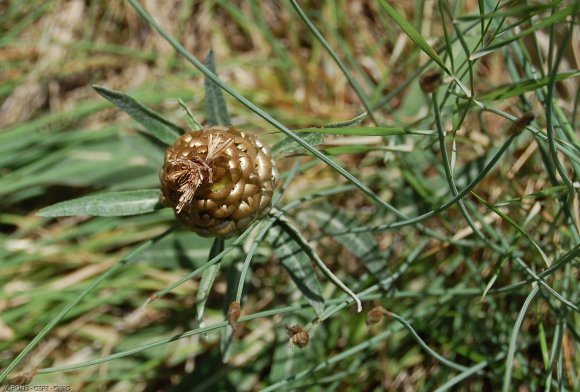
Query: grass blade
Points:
[509, 363]
[413, 34]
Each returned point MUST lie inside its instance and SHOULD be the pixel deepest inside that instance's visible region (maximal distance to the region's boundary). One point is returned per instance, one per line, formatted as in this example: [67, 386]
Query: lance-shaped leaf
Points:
[298, 265]
[107, 204]
[153, 123]
[215, 104]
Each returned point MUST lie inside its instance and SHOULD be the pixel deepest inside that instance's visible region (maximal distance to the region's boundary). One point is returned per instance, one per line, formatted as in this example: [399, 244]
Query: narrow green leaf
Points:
[521, 87]
[543, 342]
[510, 359]
[107, 204]
[353, 122]
[315, 136]
[189, 117]
[413, 34]
[362, 148]
[288, 145]
[207, 278]
[215, 104]
[153, 123]
[298, 265]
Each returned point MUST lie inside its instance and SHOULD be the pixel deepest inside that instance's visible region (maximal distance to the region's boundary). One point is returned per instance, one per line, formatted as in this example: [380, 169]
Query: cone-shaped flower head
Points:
[218, 180]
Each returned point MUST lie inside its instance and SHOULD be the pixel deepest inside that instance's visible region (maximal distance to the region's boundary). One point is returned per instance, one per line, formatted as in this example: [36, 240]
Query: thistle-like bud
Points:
[218, 180]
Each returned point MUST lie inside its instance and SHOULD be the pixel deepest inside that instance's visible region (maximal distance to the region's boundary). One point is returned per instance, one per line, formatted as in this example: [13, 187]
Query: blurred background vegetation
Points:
[464, 280]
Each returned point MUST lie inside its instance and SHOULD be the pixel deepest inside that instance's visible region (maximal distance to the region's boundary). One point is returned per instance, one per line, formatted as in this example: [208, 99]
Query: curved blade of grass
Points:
[246, 266]
[215, 104]
[107, 204]
[413, 34]
[153, 123]
[207, 278]
[546, 286]
[509, 363]
[447, 168]
[424, 345]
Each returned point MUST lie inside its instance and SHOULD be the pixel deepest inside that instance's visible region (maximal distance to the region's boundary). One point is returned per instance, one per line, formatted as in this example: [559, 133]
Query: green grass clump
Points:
[429, 162]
